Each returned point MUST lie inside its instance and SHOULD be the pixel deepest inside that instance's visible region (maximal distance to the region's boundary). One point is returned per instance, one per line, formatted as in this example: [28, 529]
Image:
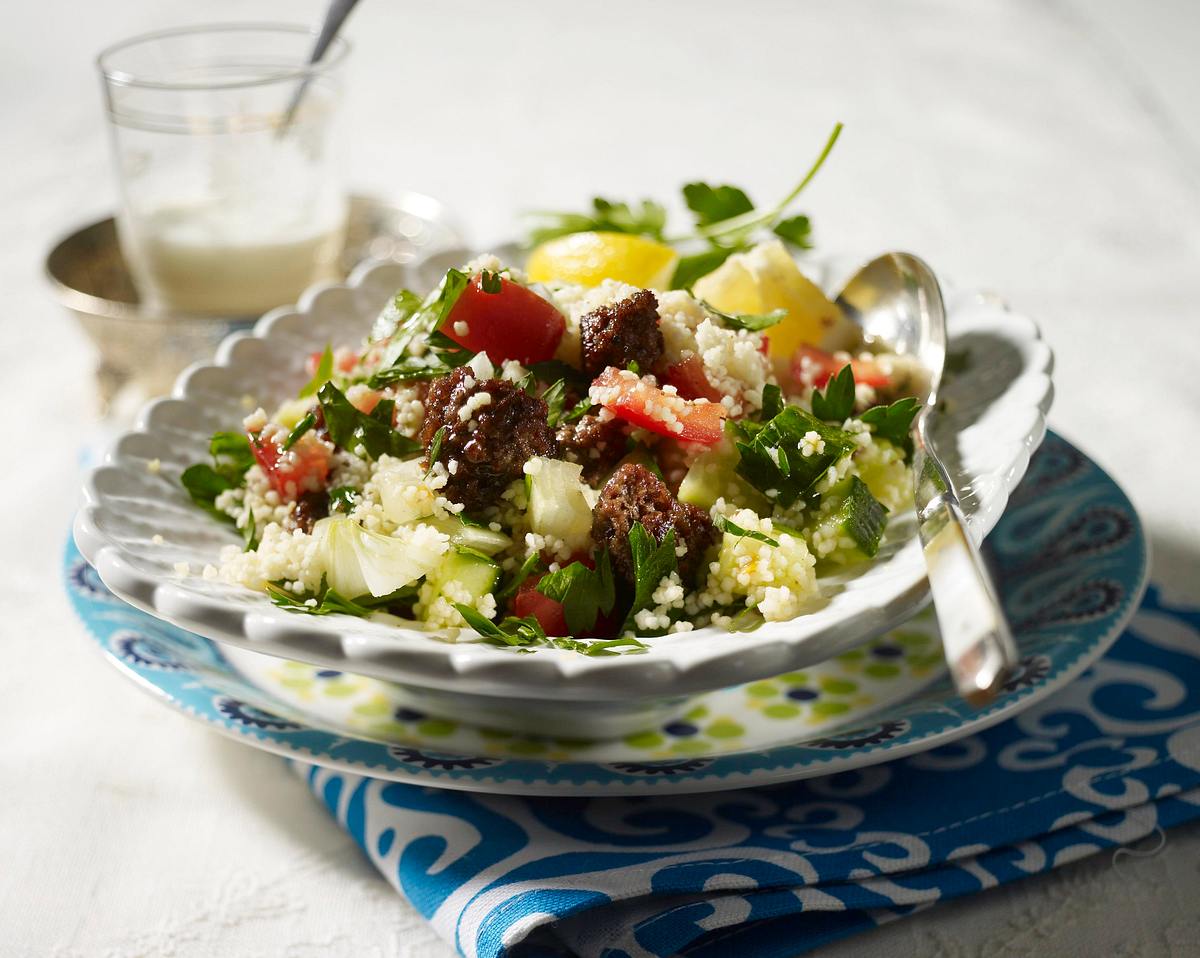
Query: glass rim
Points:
[333, 58]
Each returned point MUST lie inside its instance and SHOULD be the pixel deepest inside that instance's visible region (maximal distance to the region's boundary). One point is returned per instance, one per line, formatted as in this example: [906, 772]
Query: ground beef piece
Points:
[310, 507]
[635, 494]
[492, 442]
[622, 333]
[596, 444]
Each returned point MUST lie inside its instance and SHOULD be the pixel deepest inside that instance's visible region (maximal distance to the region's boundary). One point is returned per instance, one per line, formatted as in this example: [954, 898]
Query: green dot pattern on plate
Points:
[807, 703]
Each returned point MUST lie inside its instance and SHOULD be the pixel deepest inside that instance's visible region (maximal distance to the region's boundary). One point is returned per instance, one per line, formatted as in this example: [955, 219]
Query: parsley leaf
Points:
[419, 325]
[712, 204]
[644, 219]
[435, 448]
[530, 566]
[231, 457]
[442, 356]
[554, 397]
[729, 527]
[303, 426]
[343, 499]
[322, 375]
[584, 593]
[837, 402]
[394, 314]
[368, 436]
[745, 321]
[652, 562]
[770, 456]
[796, 230]
[327, 601]
[509, 631]
[772, 402]
[894, 422]
[695, 265]
[489, 281]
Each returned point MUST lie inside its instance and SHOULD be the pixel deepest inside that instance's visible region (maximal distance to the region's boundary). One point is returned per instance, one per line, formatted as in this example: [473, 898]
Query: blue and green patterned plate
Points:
[1069, 555]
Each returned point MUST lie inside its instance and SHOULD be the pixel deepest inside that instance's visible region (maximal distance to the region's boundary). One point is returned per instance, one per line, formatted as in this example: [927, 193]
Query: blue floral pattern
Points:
[777, 870]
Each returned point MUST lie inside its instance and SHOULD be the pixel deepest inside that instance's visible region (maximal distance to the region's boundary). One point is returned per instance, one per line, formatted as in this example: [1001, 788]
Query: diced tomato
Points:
[513, 323]
[303, 468]
[690, 381]
[366, 400]
[550, 615]
[637, 401]
[548, 611]
[814, 367]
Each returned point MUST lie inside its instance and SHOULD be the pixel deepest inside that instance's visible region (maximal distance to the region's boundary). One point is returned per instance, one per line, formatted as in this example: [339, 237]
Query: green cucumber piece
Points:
[477, 572]
[861, 516]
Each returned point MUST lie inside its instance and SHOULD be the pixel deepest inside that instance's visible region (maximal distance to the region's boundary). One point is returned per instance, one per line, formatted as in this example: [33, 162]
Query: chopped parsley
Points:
[404, 325]
[532, 565]
[713, 204]
[770, 456]
[583, 593]
[489, 281]
[796, 230]
[231, 457]
[524, 634]
[303, 426]
[652, 562]
[836, 403]
[731, 528]
[327, 601]
[554, 397]
[370, 436]
[323, 374]
[894, 422]
[442, 356]
[343, 499]
[435, 448]
[750, 321]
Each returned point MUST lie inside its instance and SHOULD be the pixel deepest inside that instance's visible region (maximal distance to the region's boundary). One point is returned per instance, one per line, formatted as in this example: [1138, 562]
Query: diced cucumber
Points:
[855, 518]
[713, 475]
[292, 411]
[558, 503]
[472, 570]
[472, 536]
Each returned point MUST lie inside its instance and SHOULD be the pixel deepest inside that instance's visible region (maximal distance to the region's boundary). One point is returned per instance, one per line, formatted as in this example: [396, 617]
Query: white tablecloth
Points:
[1046, 150]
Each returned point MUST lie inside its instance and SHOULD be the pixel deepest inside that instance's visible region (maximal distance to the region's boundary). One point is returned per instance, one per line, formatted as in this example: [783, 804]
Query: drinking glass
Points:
[226, 208]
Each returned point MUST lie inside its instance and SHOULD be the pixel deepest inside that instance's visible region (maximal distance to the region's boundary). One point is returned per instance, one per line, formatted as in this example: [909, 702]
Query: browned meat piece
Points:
[493, 442]
[310, 507]
[596, 444]
[635, 494]
[622, 333]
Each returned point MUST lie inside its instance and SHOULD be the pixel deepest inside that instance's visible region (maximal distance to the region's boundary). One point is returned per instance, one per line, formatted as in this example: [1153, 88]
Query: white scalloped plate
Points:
[995, 418]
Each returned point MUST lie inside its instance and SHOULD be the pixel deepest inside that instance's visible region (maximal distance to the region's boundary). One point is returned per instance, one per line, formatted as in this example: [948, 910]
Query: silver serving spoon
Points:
[335, 16]
[896, 299]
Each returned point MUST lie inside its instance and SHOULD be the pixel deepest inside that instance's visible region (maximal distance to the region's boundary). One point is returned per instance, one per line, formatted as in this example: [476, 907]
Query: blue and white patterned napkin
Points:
[774, 871]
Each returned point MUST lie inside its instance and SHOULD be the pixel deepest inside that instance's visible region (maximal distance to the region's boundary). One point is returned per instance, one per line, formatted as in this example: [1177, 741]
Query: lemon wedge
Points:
[591, 258]
[766, 278]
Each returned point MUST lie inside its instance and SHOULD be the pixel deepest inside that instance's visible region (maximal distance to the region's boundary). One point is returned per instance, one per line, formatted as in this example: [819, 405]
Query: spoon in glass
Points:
[335, 16]
[896, 299]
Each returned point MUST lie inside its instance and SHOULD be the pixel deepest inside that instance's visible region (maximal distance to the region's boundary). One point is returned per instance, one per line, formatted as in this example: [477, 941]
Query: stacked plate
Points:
[855, 682]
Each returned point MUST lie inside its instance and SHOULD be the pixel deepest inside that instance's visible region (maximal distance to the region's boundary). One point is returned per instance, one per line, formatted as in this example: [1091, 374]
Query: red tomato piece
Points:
[689, 379]
[548, 611]
[637, 401]
[514, 323]
[814, 367]
[303, 468]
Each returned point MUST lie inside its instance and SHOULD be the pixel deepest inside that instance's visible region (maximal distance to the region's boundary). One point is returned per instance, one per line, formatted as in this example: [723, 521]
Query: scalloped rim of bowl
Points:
[882, 596]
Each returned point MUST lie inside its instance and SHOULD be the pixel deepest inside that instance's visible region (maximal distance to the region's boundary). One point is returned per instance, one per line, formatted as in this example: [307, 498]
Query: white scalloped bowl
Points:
[994, 419]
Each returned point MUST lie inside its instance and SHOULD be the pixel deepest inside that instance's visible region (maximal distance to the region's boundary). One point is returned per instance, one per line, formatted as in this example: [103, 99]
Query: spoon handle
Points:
[335, 16]
[975, 634]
